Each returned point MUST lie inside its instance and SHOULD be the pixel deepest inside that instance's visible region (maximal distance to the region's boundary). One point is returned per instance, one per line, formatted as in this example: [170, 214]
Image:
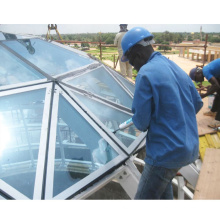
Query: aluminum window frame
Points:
[24, 84]
[52, 148]
[90, 70]
[97, 97]
[38, 186]
[73, 71]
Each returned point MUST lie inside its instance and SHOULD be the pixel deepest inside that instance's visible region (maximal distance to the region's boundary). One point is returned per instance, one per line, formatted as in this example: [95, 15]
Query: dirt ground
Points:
[184, 63]
[187, 65]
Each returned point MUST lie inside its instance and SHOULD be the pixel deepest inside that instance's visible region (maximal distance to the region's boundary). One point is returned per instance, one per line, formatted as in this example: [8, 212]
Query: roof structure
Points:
[58, 110]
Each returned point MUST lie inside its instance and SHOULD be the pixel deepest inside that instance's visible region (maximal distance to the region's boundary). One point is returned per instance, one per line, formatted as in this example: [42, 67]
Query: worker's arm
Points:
[142, 103]
[214, 87]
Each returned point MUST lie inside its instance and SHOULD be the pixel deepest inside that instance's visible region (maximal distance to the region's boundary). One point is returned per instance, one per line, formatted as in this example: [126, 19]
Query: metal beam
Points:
[190, 173]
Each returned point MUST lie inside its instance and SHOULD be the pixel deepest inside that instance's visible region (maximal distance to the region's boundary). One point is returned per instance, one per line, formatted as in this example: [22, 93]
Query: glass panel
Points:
[100, 82]
[2, 37]
[20, 130]
[124, 81]
[48, 57]
[112, 118]
[13, 70]
[80, 150]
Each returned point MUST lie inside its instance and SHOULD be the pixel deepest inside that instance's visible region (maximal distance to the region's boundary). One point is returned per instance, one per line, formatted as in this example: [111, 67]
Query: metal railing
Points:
[183, 48]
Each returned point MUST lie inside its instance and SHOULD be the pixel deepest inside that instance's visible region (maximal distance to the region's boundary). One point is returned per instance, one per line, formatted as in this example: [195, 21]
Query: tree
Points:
[85, 45]
[190, 38]
[164, 48]
[109, 40]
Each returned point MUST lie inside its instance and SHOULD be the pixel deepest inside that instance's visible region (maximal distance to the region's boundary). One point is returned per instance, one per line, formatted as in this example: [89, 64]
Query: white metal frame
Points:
[42, 145]
[19, 85]
[190, 173]
[126, 175]
[51, 153]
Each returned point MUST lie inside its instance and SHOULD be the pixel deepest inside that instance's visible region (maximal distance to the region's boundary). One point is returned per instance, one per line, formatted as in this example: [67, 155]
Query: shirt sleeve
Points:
[207, 73]
[142, 103]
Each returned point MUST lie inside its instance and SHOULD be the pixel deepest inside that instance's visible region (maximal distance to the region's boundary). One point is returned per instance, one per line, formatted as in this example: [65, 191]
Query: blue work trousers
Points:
[156, 183]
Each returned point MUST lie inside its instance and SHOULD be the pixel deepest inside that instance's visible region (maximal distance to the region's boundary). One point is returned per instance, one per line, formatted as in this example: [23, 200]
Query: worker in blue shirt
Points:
[165, 104]
[212, 73]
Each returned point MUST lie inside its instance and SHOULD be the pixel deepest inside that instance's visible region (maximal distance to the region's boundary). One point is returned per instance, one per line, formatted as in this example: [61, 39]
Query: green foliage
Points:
[168, 37]
[214, 38]
[165, 48]
[190, 38]
[204, 83]
[159, 37]
[85, 45]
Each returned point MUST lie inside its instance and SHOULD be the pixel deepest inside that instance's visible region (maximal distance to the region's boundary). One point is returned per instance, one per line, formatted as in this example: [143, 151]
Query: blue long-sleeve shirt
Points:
[165, 103]
[212, 69]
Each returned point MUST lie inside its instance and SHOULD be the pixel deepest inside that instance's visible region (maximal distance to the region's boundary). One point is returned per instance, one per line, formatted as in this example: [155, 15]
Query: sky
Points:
[93, 16]
[38, 29]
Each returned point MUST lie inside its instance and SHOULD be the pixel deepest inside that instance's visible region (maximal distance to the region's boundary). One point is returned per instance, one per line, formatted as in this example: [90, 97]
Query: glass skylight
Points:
[111, 117]
[50, 58]
[13, 70]
[100, 82]
[58, 111]
[80, 150]
[20, 131]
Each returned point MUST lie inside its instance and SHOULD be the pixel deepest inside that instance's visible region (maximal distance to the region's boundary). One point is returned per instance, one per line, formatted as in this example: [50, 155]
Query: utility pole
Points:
[100, 45]
[205, 46]
[201, 33]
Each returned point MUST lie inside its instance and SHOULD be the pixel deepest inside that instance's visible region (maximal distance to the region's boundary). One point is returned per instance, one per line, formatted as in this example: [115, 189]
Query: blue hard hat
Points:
[132, 37]
[192, 73]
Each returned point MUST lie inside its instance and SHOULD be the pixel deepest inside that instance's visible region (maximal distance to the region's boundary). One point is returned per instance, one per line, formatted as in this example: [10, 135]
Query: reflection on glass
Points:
[20, 129]
[124, 81]
[100, 82]
[111, 118]
[80, 150]
[50, 58]
[13, 70]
